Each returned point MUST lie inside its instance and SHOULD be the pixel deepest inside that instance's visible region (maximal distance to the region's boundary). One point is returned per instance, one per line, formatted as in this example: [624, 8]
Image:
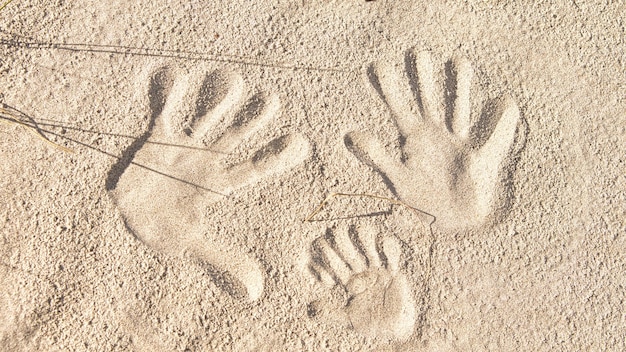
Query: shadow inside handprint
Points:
[166, 178]
[452, 166]
[366, 265]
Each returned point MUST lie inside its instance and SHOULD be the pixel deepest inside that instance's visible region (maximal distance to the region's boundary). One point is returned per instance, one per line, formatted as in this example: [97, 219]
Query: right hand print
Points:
[367, 265]
[451, 167]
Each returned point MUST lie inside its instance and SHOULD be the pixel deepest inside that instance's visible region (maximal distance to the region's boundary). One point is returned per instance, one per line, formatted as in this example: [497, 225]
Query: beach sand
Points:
[478, 146]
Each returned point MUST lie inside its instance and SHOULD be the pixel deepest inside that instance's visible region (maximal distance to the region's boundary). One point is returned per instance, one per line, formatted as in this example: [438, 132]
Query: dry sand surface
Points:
[203, 133]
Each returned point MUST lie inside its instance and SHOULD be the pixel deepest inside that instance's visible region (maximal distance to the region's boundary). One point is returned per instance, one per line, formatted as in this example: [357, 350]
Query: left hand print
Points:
[165, 179]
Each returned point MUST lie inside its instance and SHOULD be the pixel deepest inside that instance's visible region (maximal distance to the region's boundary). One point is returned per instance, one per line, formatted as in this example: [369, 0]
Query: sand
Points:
[492, 134]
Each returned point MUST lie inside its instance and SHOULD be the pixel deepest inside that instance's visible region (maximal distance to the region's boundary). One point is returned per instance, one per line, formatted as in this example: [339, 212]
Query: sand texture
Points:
[158, 160]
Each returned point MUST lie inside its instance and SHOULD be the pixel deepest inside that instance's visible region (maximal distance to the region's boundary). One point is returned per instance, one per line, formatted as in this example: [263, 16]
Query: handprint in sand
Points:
[165, 179]
[452, 162]
[367, 266]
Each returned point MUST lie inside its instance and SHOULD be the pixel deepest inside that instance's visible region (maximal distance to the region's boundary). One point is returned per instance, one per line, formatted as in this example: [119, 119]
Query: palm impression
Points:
[168, 176]
[367, 266]
[452, 163]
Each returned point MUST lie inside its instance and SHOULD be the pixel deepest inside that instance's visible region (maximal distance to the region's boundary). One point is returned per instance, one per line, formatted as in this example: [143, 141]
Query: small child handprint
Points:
[367, 266]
